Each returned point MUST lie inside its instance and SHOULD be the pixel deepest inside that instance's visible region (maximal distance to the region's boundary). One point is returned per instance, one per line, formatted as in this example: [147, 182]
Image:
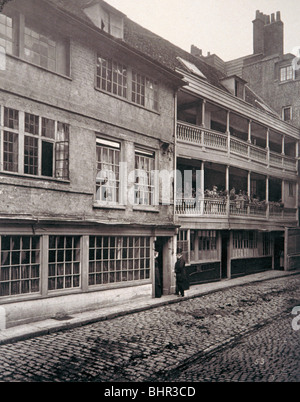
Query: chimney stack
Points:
[195, 51]
[267, 34]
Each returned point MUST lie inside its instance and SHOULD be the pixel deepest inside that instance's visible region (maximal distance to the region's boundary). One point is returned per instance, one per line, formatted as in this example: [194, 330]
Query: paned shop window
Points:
[144, 186]
[20, 265]
[183, 243]
[108, 171]
[244, 239]
[207, 240]
[118, 259]
[45, 144]
[64, 262]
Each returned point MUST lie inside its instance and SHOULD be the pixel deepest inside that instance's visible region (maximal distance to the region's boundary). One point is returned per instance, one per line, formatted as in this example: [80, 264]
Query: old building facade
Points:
[81, 114]
[116, 143]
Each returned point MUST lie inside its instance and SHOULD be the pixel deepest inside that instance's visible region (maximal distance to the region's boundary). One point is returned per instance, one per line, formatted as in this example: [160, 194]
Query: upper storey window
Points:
[6, 33]
[286, 73]
[121, 80]
[112, 77]
[28, 39]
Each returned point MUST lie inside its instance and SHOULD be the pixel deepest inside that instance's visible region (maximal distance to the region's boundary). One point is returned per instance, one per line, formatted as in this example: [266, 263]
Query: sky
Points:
[223, 27]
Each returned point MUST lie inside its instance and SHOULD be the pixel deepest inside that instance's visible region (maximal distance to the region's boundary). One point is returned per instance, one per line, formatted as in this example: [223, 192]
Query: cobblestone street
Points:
[242, 333]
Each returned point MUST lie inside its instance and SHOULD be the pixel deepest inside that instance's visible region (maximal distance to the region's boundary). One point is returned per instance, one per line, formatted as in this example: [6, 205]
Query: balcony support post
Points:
[249, 190]
[268, 146]
[228, 131]
[203, 108]
[227, 191]
[267, 197]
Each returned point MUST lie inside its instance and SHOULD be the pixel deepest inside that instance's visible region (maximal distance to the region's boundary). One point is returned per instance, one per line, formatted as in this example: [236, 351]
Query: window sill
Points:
[40, 67]
[127, 101]
[99, 205]
[34, 177]
[145, 208]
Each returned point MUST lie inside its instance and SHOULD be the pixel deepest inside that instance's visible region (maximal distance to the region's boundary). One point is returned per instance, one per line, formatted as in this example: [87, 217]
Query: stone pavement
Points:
[152, 344]
[20, 332]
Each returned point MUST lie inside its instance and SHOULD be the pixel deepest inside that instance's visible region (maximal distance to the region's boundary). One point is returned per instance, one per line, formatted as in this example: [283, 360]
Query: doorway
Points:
[161, 246]
[279, 252]
[225, 240]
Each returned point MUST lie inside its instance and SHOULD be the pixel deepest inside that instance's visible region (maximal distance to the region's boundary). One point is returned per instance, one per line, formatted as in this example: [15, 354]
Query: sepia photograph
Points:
[149, 194]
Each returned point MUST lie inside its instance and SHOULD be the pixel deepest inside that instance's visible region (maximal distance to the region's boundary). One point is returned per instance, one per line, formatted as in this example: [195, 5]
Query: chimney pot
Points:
[272, 17]
[278, 16]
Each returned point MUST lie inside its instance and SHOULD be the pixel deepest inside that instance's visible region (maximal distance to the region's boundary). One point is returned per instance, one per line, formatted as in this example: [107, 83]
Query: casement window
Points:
[108, 171]
[64, 262]
[144, 91]
[144, 185]
[6, 33]
[286, 73]
[112, 77]
[20, 265]
[31, 40]
[118, 259]
[34, 145]
[287, 113]
[121, 80]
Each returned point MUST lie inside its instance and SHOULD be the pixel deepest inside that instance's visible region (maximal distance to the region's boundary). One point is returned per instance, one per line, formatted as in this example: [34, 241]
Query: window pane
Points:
[30, 155]
[118, 259]
[111, 76]
[17, 273]
[64, 254]
[107, 181]
[10, 151]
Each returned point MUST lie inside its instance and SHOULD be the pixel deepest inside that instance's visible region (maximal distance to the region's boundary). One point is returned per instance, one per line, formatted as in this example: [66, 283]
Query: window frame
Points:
[20, 263]
[147, 100]
[144, 192]
[21, 24]
[112, 148]
[286, 73]
[61, 263]
[27, 157]
[125, 260]
[287, 108]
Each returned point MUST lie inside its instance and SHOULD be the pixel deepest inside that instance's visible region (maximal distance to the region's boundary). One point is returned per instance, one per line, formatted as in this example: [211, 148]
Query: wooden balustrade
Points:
[208, 138]
[215, 207]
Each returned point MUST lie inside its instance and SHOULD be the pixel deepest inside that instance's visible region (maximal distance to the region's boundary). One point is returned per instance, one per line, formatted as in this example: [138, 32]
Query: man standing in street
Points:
[180, 273]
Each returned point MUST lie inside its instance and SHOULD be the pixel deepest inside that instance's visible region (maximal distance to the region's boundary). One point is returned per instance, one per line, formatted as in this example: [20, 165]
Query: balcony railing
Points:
[204, 137]
[209, 207]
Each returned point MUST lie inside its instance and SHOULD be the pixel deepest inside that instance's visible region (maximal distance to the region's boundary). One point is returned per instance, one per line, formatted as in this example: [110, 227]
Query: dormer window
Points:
[235, 85]
[106, 18]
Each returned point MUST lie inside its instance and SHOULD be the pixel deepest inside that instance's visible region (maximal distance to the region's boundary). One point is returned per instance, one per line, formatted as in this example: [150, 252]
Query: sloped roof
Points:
[159, 49]
[165, 52]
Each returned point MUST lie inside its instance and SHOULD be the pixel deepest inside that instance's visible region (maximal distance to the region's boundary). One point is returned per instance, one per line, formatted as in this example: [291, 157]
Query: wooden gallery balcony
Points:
[232, 146]
[224, 207]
